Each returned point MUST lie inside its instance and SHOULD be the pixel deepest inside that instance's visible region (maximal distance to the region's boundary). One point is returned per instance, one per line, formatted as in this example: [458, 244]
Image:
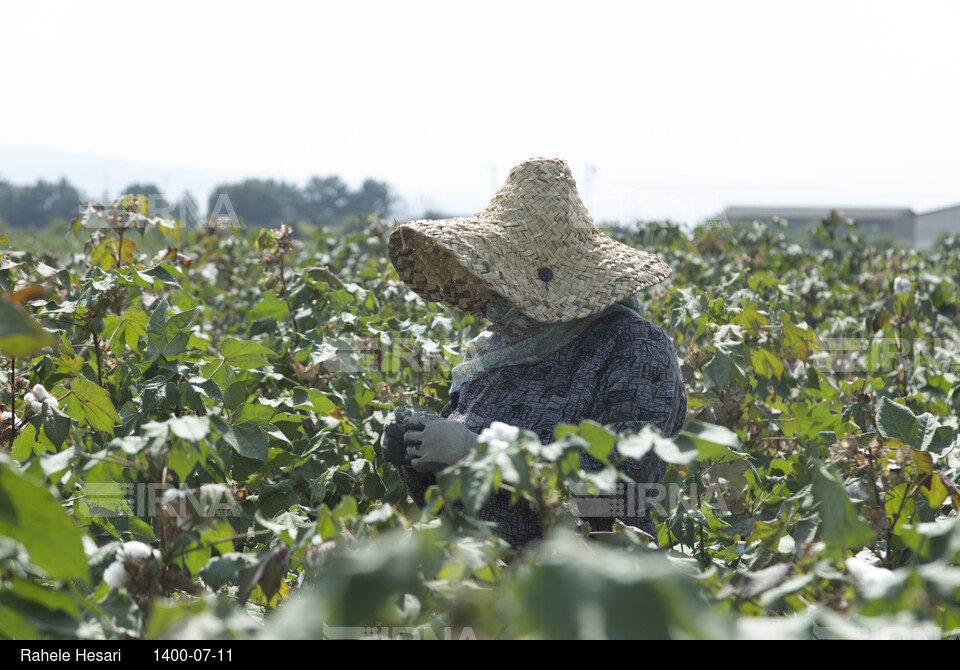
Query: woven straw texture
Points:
[534, 244]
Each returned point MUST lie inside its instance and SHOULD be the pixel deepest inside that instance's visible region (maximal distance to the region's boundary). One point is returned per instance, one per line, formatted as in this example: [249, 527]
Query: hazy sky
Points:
[662, 108]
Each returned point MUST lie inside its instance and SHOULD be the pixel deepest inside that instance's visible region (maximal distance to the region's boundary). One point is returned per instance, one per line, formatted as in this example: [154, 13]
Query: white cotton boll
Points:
[502, 431]
[499, 435]
[51, 402]
[901, 284]
[5, 417]
[116, 575]
[137, 551]
[172, 495]
[31, 404]
[505, 431]
[90, 547]
[40, 392]
[867, 575]
[856, 492]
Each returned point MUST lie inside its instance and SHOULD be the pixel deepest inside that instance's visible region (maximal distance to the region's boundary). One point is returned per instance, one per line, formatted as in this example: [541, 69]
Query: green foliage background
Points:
[814, 479]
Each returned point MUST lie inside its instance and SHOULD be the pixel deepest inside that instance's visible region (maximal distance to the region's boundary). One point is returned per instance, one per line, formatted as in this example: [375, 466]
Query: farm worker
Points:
[565, 343]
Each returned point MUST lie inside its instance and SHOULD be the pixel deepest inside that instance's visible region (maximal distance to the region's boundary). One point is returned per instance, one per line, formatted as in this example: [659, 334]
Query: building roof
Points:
[739, 213]
[940, 209]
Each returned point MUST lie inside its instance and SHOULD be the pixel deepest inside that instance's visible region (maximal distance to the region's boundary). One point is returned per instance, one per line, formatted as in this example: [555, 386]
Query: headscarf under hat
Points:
[515, 339]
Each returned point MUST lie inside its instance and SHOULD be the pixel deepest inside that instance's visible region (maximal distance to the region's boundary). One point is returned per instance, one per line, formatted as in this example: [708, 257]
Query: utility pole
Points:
[591, 170]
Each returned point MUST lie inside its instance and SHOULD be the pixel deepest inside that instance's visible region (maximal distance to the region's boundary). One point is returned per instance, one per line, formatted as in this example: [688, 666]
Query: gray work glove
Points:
[434, 443]
[391, 442]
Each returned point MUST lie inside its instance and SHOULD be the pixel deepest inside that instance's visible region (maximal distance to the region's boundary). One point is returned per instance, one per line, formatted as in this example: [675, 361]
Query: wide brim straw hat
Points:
[534, 244]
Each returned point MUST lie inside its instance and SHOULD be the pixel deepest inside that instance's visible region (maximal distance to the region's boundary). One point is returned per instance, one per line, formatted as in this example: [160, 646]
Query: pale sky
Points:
[663, 109]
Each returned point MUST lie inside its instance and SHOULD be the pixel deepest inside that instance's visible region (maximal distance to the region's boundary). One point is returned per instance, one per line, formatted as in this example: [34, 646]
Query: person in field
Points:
[566, 341]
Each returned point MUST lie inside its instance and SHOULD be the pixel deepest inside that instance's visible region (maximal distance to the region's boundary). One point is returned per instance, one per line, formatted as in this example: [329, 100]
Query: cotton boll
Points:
[90, 547]
[869, 576]
[901, 284]
[856, 492]
[51, 402]
[116, 575]
[499, 435]
[172, 496]
[40, 392]
[137, 551]
[505, 431]
[31, 405]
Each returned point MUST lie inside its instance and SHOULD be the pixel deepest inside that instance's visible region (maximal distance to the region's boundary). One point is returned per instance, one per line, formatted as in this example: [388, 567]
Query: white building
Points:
[916, 230]
[931, 224]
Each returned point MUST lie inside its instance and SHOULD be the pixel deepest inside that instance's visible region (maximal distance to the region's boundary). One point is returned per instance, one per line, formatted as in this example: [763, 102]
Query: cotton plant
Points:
[903, 294]
[198, 508]
[901, 285]
[134, 562]
[35, 400]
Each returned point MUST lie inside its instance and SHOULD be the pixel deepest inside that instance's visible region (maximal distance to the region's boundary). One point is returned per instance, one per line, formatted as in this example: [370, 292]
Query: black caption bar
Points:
[68, 652]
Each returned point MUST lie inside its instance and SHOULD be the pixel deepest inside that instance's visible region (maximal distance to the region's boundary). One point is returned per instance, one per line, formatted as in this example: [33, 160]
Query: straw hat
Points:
[534, 244]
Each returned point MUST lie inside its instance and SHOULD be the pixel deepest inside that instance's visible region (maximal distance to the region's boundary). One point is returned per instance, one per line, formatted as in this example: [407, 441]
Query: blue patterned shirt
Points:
[622, 371]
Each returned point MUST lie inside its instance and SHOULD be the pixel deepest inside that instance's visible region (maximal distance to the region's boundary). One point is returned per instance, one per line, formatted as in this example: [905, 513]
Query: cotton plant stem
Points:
[13, 397]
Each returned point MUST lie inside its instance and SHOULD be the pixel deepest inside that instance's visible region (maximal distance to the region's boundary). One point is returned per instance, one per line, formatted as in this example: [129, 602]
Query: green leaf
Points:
[254, 413]
[716, 373]
[898, 422]
[935, 493]
[768, 533]
[841, 526]
[167, 336]
[248, 441]
[268, 573]
[767, 364]
[798, 339]
[710, 441]
[105, 254]
[13, 626]
[244, 354]
[750, 318]
[217, 536]
[128, 332]
[271, 307]
[196, 557]
[20, 334]
[600, 439]
[28, 442]
[56, 426]
[190, 428]
[939, 540]
[89, 401]
[320, 402]
[33, 517]
[225, 569]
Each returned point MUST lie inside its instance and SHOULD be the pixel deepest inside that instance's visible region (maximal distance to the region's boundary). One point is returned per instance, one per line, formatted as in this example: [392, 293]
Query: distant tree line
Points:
[38, 205]
[324, 201]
